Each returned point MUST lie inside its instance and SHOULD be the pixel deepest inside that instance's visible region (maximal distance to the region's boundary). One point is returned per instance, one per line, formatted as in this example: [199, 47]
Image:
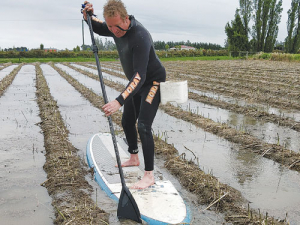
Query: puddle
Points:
[266, 184]
[293, 114]
[22, 199]
[85, 116]
[6, 71]
[265, 131]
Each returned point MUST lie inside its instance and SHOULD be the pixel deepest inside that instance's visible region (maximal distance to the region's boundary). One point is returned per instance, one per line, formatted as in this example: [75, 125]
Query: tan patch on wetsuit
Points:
[152, 92]
[131, 87]
[96, 19]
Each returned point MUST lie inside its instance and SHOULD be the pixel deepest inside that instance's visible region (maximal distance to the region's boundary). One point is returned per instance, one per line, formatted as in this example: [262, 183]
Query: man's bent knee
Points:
[144, 130]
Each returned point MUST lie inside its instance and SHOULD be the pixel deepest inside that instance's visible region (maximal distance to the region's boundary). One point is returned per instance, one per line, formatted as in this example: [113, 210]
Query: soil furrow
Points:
[6, 81]
[277, 153]
[248, 110]
[65, 170]
[4, 65]
[205, 186]
[245, 110]
[275, 97]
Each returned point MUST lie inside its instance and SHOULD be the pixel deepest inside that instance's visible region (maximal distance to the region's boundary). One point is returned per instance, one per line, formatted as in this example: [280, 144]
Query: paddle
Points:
[127, 207]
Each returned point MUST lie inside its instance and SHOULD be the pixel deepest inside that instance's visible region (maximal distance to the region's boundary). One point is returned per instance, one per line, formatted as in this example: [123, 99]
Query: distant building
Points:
[183, 47]
[18, 49]
[50, 49]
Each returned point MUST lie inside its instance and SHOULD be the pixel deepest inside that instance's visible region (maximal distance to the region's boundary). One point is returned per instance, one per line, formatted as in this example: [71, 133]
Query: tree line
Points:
[162, 45]
[264, 15]
[109, 45]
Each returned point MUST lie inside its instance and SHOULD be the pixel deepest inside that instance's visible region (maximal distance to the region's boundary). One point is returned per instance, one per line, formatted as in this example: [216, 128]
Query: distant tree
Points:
[292, 41]
[109, 45]
[167, 47]
[85, 47]
[272, 30]
[76, 49]
[41, 46]
[226, 44]
[245, 11]
[99, 43]
[188, 43]
[267, 15]
[279, 45]
[236, 34]
[159, 45]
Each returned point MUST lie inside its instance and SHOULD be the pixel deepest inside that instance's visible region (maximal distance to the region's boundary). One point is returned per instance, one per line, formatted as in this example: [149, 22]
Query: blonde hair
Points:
[112, 7]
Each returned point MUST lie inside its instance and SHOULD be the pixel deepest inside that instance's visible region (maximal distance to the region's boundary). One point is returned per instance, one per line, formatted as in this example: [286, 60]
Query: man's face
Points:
[116, 21]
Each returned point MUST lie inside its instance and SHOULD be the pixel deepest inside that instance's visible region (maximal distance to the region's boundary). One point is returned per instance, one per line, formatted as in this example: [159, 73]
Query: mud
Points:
[160, 118]
[201, 116]
[218, 168]
[22, 199]
[206, 218]
[65, 169]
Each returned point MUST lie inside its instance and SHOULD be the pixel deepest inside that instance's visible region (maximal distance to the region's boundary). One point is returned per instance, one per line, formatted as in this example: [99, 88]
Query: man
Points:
[144, 71]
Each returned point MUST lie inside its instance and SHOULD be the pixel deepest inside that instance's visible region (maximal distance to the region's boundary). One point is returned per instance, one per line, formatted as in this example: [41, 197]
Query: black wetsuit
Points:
[141, 96]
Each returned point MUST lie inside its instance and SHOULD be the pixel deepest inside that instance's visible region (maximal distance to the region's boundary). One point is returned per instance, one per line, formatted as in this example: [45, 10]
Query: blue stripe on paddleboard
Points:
[103, 185]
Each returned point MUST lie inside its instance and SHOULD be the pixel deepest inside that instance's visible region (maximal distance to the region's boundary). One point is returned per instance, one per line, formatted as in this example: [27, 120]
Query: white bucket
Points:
[173, 91]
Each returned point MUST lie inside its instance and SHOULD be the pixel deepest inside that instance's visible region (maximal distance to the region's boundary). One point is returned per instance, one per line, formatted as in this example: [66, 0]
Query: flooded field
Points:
[239, 130]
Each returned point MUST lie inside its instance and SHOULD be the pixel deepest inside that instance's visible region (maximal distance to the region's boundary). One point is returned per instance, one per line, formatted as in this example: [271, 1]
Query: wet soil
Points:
[68, 181]
[22, 199]
[65, 169]
[181, 115]
[106, 81]
[275, 152]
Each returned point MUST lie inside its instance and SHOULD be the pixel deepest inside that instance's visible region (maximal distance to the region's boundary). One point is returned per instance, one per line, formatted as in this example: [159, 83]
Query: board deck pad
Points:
[158, 204]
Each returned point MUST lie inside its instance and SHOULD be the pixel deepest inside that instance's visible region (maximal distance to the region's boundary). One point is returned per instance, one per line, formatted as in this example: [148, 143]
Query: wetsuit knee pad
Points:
[143, 129]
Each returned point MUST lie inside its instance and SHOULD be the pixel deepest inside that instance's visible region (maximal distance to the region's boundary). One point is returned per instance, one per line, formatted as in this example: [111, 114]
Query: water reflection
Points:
[263, 182]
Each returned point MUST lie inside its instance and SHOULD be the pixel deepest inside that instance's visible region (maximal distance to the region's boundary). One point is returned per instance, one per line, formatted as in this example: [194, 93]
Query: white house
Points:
[183, 47]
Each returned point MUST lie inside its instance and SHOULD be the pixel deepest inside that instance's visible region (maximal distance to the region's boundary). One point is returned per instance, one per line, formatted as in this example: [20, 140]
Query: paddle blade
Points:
[127, 208]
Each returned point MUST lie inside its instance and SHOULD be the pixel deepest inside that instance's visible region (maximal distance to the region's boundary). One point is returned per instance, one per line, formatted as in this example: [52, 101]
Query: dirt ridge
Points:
[66, 184]
[205, 186]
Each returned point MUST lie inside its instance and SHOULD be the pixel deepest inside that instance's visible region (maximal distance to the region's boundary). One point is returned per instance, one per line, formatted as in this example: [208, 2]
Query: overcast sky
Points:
[58, 24]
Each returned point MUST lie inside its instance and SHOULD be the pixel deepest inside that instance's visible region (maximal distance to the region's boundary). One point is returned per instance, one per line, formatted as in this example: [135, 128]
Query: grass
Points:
[266, 56]
[198, 58]
[44, 60]
[80, 59]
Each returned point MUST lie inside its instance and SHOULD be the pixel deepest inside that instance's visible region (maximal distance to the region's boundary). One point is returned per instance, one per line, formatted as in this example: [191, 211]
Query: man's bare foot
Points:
[145, 182]
[133, 161]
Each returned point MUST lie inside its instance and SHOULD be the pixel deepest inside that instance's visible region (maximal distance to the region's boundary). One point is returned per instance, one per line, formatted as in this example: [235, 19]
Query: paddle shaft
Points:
[112, 131]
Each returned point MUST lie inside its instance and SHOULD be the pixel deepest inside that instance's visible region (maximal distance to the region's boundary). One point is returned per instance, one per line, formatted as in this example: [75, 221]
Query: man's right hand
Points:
[89, 8]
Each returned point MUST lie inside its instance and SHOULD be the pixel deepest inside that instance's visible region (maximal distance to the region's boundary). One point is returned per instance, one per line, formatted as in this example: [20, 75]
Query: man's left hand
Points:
[111, 107]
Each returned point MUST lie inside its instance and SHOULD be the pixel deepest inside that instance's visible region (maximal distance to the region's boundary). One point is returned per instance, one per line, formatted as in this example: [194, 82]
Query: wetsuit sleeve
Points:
[100, 27]
[141, 51]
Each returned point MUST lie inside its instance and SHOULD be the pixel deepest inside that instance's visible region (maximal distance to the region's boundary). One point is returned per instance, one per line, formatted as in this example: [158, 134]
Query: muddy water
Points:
[265, 131]
[265, 184]
[294, 114]
[63, 91]
[22, 199]
[6, 71]
[82, 120]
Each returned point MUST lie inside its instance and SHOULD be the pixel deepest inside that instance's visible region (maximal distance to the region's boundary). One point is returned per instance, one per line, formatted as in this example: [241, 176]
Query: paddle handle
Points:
[112, 131]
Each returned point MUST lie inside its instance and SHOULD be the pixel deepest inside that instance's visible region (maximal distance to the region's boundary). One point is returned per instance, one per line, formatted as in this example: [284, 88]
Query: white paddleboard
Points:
[159, 204]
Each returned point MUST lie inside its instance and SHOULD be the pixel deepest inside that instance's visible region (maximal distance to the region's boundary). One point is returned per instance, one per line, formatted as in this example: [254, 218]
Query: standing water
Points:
[22, 199]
